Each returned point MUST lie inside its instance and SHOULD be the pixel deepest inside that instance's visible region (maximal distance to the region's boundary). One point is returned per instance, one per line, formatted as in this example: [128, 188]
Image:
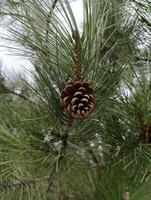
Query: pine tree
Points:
[82, 129]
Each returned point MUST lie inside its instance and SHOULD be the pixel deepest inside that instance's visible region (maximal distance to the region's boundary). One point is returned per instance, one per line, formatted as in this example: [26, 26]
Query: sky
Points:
[11, 64]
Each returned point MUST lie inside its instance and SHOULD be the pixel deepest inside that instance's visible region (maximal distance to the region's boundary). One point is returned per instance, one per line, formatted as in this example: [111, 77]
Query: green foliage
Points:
[106, 156]
[119, 177]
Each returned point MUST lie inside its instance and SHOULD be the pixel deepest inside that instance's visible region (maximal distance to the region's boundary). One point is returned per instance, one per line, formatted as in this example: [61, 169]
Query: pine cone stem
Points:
[70, 120]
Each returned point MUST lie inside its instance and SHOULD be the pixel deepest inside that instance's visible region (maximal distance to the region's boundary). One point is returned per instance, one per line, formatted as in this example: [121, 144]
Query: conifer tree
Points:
[82, 129]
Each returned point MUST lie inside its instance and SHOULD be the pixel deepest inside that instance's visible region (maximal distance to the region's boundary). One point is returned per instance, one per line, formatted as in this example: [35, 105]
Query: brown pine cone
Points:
[77, 99]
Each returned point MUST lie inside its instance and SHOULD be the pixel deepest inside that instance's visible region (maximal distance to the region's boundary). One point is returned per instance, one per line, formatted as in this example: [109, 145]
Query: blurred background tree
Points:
[45, 153]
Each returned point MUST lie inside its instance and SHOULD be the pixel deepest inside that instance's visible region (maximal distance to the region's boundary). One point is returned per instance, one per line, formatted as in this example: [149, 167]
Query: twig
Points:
[135, 59]
[54, 4]
[126, 196]
[95, 157]
[48, 18]
[19, 95]
[51, 178]
[65, 136]
[22, 182]
[142, 59]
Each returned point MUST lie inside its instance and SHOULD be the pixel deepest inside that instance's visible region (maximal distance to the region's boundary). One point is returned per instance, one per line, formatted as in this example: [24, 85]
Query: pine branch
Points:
[64, 139]
[77, 59]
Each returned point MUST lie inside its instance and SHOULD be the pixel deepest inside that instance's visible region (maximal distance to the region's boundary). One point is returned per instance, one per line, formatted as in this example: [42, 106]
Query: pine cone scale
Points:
[78, 94]
[82, 89]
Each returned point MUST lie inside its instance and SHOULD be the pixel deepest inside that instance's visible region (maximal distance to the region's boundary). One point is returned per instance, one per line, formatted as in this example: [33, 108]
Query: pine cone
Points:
[77, 99]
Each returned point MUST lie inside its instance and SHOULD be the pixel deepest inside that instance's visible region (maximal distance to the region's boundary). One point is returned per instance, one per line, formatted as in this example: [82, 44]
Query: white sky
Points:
[12, 64]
